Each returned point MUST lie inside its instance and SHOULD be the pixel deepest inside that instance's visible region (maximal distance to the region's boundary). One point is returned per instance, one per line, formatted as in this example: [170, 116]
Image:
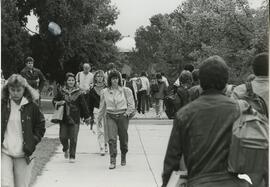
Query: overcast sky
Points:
[135, 13]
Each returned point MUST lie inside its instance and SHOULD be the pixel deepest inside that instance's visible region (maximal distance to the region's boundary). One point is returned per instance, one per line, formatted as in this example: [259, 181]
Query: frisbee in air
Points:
[54, 28]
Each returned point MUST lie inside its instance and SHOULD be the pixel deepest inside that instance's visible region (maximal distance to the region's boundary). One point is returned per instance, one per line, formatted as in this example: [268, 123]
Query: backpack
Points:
[248, 151]
[154, 88]
[139, 83]
[176, 100]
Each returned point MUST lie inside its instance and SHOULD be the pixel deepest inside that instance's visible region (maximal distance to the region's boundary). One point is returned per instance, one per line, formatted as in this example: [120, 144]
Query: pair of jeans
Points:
[100, 130]
[15, 172]
[117, 125]
[159, 106]
[68, 137]
[142, 101]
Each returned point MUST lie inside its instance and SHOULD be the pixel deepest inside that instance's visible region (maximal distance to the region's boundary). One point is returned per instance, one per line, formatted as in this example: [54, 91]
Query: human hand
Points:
[88, 120]
[59, 103]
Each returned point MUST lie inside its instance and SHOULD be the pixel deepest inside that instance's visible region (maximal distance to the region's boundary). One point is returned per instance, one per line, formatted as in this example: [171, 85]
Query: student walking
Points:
[202, 132]
[118, 104]
[75, 106]
[159, 95]
[22, 127]
[93, 103]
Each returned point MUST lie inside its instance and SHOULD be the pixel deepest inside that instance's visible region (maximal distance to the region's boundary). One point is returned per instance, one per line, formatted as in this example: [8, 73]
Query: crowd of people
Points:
[201, 102]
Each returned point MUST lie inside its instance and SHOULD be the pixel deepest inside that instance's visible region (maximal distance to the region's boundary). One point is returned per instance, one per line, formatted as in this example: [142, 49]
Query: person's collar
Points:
[24, 101]
[261, 78]
[29, 69]
[86, 73]
[212, 91]
[119, 88]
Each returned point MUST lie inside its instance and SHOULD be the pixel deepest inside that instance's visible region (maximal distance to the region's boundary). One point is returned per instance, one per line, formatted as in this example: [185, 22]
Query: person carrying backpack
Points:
[159, 95]
[256, 93]
[180, 96]
[202, 132]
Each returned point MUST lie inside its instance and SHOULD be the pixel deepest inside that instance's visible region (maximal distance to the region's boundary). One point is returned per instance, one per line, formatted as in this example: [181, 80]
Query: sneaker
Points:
[102, 152]
[106, 148]
[72, 160]
[112, 166]
[66, 154]
[123, 160]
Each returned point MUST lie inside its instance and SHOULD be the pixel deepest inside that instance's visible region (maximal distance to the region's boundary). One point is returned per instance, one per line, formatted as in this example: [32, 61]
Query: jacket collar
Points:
[24, 101]
[75, 89]
[212, 92]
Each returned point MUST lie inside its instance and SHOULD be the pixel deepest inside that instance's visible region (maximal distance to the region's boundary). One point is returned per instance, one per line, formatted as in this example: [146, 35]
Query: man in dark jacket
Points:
[34, 76]
[202, 132]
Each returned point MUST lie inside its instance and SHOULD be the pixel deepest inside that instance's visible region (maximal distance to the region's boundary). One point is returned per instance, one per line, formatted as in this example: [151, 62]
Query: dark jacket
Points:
[93, 101]
[162, 90]
[33, 76]
[202, 133]
[33, 122]
[75, 105]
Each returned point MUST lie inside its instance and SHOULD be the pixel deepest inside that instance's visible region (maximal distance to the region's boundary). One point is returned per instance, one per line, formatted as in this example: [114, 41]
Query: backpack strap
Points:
[249, 89]
[251, 93]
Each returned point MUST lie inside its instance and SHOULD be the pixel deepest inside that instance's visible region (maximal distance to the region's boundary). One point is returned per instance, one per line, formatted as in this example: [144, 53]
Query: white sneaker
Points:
[106, 148]
[72, 160]
[102, 152]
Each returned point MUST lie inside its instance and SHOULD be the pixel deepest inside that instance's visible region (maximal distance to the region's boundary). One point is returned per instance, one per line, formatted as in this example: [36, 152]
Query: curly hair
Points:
[114, 74]
[70, 75]
[213, 73]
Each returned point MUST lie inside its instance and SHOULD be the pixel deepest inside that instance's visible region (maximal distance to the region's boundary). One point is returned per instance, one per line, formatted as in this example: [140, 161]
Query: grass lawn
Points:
[44, 151]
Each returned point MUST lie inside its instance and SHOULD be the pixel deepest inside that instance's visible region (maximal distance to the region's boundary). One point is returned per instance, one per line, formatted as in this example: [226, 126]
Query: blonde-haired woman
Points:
[118, 104]
[94, 100]
[22, 127]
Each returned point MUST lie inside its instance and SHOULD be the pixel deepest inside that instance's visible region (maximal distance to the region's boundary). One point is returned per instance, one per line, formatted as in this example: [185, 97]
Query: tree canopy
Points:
[198, 29]
[86, 35]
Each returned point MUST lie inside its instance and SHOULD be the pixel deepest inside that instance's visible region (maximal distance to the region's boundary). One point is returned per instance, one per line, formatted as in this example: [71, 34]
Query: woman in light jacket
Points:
[118, 104]
[74, 107]
[22, 127]
[93, 104]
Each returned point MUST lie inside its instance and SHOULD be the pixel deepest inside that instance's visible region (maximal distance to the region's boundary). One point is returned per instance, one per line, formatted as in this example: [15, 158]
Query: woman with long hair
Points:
[75, 107]
[22, 127]
[118, 104]
[94, 100]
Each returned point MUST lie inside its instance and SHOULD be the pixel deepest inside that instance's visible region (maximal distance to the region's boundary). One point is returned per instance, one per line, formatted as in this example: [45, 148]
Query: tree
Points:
[198, 29]
[15, 40]
[86, 34]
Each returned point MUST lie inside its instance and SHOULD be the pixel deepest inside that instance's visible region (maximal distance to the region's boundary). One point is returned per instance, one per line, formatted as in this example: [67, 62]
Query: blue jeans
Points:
[68, 138]
[117, 125]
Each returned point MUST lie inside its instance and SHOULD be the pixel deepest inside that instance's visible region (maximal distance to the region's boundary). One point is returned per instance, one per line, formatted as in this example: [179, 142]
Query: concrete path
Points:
[147, 145]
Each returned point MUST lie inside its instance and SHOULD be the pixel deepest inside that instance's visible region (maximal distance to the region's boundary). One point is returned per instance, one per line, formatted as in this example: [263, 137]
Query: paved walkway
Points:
[147, 145]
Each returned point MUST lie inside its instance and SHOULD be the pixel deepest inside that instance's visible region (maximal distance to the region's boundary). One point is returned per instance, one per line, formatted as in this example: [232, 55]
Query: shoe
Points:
[123, 160]
[113, 163]
[112, 166]
[106, 148]
[66, 154]
[72, 160]
[102, 152]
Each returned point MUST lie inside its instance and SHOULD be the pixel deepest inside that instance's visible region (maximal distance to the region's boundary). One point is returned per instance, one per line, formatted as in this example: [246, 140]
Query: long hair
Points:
[112, 74]
[99, 72]
[17, 80]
